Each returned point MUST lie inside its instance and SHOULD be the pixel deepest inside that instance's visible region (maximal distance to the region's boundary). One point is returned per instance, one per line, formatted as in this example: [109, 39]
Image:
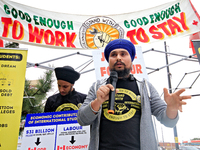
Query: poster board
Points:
[12, 79]
[102, 69]
[55, 131]
[196, 44]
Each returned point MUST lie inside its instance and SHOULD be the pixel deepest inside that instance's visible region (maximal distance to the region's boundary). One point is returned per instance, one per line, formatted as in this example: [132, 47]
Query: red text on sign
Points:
[71, 147]
[137, 69]
[168, 28]
[36, 148]
[37, 35]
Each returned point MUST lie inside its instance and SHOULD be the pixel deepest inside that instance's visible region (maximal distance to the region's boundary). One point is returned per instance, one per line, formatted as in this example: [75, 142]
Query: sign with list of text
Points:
[55, 131]
[12, 80]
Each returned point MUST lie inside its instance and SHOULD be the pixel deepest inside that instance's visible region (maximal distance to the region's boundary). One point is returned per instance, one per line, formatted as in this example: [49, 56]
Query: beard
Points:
[122, 73]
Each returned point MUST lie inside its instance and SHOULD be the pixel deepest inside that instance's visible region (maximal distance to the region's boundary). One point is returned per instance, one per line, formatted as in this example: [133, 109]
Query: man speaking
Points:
[130, 127]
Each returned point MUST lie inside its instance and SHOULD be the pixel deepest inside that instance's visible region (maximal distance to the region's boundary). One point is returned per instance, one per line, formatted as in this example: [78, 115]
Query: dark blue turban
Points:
[120, 43]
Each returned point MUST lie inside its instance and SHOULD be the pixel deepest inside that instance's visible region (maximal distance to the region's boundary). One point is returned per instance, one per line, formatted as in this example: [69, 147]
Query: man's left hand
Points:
[174, 101]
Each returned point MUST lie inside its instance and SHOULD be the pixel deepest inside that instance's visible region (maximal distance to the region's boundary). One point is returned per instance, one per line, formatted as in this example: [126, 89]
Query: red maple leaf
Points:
[195, 22]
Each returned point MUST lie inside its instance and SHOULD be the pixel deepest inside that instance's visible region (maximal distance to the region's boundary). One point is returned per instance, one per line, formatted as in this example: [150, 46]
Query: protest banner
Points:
[30, 25]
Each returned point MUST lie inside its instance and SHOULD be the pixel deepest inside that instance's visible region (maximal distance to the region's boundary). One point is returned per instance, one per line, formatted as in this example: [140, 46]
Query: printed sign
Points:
[102, 67]
[29, 25]
[55, 131]
[12, 80]
[196, 44]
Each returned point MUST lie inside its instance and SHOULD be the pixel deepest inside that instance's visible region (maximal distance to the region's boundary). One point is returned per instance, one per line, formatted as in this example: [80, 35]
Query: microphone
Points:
[113, 81]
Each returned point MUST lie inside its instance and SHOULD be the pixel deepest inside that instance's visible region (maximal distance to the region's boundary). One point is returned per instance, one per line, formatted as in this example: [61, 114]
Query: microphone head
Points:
[113, 74]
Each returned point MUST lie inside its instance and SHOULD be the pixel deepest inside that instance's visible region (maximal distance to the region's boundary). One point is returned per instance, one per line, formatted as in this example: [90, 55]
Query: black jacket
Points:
[58, 102]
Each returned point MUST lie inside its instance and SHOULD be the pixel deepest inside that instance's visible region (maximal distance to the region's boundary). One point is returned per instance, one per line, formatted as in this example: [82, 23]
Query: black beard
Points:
[122, 73]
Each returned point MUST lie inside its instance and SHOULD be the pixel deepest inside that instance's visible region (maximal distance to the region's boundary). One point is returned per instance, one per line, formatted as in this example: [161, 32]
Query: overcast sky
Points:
[188, 125]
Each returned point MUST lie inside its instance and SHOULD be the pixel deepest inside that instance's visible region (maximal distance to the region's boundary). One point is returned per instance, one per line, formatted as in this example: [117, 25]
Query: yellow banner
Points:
[12, 80]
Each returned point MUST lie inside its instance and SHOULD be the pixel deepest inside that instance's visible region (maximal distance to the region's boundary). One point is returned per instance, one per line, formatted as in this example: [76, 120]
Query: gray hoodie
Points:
[149, 106]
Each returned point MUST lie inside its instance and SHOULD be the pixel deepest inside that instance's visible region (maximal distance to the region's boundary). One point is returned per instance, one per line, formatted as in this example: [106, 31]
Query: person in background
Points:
[67, 98]
[136, 100]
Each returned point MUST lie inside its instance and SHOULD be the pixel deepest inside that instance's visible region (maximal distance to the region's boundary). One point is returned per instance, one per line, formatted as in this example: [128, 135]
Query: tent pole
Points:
[170, 91]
